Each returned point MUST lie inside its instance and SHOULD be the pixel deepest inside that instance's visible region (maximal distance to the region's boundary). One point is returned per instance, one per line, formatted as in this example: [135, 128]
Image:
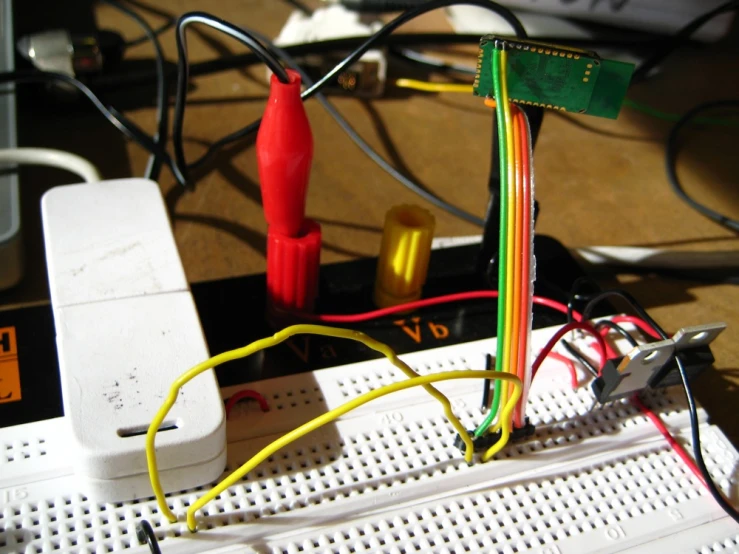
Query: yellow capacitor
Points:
[404, 255]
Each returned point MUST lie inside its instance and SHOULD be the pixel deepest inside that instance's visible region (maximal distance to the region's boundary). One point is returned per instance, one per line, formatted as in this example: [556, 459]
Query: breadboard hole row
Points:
[730, 544]
[19, 450]
[366, 457]
[523, 517]
[357, 385]
[330, 471]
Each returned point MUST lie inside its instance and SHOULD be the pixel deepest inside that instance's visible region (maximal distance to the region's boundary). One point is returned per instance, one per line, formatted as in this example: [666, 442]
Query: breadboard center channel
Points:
[387, 478]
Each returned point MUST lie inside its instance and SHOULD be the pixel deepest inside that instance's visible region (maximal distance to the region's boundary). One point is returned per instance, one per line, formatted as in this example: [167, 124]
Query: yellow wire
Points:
[261, 344]
[427, 86]
[328, 417]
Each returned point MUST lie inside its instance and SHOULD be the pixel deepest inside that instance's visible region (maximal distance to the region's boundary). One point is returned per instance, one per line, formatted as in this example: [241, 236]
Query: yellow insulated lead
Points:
[413, 380]
[404, 255]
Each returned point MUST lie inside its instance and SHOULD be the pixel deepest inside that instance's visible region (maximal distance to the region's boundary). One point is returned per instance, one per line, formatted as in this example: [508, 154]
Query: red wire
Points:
[570, 366]
[547, 350]
[610, 352]
[526, 262]
[652, 416]
[676, 446]
[247, 393]
[640, 323]
[561, 333]
[426, 302]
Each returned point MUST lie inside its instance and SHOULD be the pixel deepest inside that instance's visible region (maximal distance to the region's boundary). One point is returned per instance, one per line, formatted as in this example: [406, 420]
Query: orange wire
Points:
[516, 257]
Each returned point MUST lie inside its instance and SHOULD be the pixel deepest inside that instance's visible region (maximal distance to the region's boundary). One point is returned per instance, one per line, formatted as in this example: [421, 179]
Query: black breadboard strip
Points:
[232, 314]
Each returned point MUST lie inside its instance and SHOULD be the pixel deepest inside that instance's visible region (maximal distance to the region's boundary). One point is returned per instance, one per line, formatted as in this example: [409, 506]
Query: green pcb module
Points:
[555, 77]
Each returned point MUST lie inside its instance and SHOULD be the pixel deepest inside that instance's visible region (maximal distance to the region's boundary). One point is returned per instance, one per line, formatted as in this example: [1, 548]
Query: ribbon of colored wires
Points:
[518, 232]
[512, 192]
[513, 269]
[503, 244]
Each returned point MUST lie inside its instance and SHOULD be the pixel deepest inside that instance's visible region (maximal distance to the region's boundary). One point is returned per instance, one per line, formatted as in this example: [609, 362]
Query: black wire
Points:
[586, 314]
[676, 40]
[154, 166]
[331, 46]
[227, 28]
[362, 144]
[428, 6]
[580, 358]
[380, 6]
[129, 129]
[33, 76]
[671, 155]
[696, 440]
[169, 18]
[583, 360]
[158, 31]
[300, 6]
[692, 408]
[485, 404]
[505, 13]
[146, 535]
[405, 17]
[239, 61]
[225, 63]
[620, 330]
[429, 62]
[665, 47]
[574, 296]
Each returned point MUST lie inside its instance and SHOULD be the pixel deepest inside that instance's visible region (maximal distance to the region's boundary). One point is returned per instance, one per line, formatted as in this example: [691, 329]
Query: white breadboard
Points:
[387, 478]
[126, 324]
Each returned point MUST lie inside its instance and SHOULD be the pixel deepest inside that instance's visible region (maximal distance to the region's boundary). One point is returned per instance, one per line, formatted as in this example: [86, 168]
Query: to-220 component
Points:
[556, 77]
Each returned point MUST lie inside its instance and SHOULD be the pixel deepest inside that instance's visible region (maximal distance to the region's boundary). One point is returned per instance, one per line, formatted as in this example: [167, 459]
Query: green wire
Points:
[665, 116]
[503, 247]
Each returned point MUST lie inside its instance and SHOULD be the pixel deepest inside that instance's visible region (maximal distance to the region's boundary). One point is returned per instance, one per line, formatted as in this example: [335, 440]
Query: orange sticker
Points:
[10, 375]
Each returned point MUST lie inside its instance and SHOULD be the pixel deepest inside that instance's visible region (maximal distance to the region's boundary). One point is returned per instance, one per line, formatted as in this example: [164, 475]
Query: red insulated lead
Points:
[284, 156]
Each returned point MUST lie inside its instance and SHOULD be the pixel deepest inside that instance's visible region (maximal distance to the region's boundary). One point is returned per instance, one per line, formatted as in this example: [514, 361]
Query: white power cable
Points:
[657, 258]
[631, 256]
[52, 158]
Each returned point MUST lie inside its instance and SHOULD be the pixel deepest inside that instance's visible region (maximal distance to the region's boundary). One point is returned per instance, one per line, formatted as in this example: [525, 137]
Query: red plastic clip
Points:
[284, 156]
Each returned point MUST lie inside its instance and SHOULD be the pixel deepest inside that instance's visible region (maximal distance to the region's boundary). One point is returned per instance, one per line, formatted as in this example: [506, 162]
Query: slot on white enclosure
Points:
[127, 327]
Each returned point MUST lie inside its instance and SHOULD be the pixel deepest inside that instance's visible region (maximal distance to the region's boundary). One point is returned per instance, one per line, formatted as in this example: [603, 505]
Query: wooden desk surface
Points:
[599, 182]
